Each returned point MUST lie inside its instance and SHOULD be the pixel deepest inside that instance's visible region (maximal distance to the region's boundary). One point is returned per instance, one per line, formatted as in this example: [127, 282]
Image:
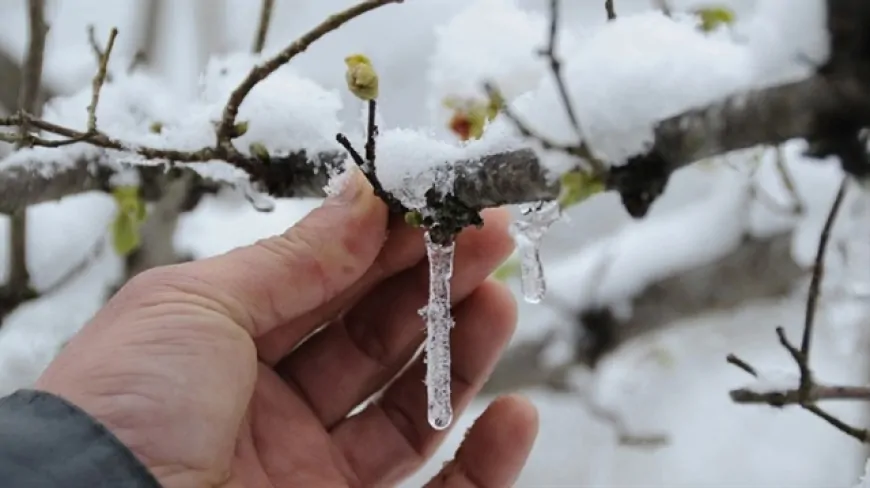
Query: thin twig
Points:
[859, 434]
[99, 139]
[664, 7]
[624, 435]
[370, 175]
[788, 181]
[808, 391]
[148, 35]
[17, 288]
[263, 25]
[94, 43]
[793, 396]
[804, 396]
[765, 198]
[371, 135]
[556, 66]
[818, 269]
[802, 361]
[611, 11]
[225, 130]
[529, 133]
[736, 361]
[100, 79]
[581, 150]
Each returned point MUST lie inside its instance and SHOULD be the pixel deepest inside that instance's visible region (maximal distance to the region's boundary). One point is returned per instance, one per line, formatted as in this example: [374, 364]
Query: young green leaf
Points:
[508, 270]
[240, 129]
[577, 186]
[714, 16]
[259, 151]
[125, 234]
[128, 219]
[414, 218]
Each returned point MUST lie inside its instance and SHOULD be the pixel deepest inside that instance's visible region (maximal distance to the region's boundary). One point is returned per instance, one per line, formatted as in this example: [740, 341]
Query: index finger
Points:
[275, 280]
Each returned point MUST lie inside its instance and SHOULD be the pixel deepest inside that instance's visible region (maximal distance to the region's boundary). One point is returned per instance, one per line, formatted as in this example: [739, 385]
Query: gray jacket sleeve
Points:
[47, 442]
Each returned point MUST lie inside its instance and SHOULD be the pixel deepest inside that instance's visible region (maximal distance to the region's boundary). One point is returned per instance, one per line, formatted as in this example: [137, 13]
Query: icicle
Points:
[438, 325]
[528, 232]
[259, 201]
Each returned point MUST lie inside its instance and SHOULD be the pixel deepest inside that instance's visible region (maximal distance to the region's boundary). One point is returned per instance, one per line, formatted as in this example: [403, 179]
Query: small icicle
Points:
[259, 201]
[438, 325]
[528, 232]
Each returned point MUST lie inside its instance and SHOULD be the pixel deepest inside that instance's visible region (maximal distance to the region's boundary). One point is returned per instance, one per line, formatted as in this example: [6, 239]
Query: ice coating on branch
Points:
[412, 161]
[438, 324]
[528, 231]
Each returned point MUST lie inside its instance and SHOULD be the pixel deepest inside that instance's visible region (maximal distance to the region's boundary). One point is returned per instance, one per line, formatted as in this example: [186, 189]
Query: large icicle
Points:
[438, 324]
[528, 232]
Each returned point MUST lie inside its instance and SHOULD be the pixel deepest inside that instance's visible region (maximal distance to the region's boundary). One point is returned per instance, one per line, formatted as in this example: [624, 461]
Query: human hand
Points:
[215, 372]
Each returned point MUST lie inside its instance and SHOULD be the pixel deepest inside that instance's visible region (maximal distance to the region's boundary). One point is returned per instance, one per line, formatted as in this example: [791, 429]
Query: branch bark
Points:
[10, 83]
[766, 116]
[758, 269]
[17, 289]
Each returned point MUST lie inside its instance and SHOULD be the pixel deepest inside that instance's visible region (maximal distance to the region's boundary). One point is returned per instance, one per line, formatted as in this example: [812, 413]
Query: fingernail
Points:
[350, 188]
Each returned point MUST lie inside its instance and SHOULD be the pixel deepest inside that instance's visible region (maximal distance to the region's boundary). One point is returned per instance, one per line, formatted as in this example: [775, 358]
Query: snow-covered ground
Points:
[625, 76]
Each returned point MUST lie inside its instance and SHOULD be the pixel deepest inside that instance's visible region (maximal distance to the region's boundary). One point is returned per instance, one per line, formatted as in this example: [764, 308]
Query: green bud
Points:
[240, 129]
[258, 150]
[713, 17]
[508, 270]
[577, 186]
[414, 218]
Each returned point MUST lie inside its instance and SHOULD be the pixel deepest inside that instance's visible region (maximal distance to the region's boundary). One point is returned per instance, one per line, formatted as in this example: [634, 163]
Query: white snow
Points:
[489, 40]
[623, 76]
[619, 266]
[774, 380]
[864, 482]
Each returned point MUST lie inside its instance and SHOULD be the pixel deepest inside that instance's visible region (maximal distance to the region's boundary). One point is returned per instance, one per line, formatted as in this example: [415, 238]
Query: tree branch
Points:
[17, 289]
[263, 25]
[225, 130]
[812, 109]
[793, 396]
[10, 83]
[758, 269]
[767, 116]
[808, 390]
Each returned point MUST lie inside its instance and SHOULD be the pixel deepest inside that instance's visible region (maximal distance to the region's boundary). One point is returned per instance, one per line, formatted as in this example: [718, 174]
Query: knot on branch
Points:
[600, 335]
[840, 136]
[448, 216]
[639, 182]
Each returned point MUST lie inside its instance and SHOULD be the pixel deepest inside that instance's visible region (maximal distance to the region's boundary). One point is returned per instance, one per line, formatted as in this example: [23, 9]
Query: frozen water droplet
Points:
[439, 322]
[528, 231]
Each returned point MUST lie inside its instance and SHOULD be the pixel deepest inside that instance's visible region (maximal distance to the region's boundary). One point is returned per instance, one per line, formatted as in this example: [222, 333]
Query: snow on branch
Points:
[766, 116]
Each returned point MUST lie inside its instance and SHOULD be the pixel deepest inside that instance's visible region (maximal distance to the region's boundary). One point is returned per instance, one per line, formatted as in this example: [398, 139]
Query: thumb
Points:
[277, 279]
